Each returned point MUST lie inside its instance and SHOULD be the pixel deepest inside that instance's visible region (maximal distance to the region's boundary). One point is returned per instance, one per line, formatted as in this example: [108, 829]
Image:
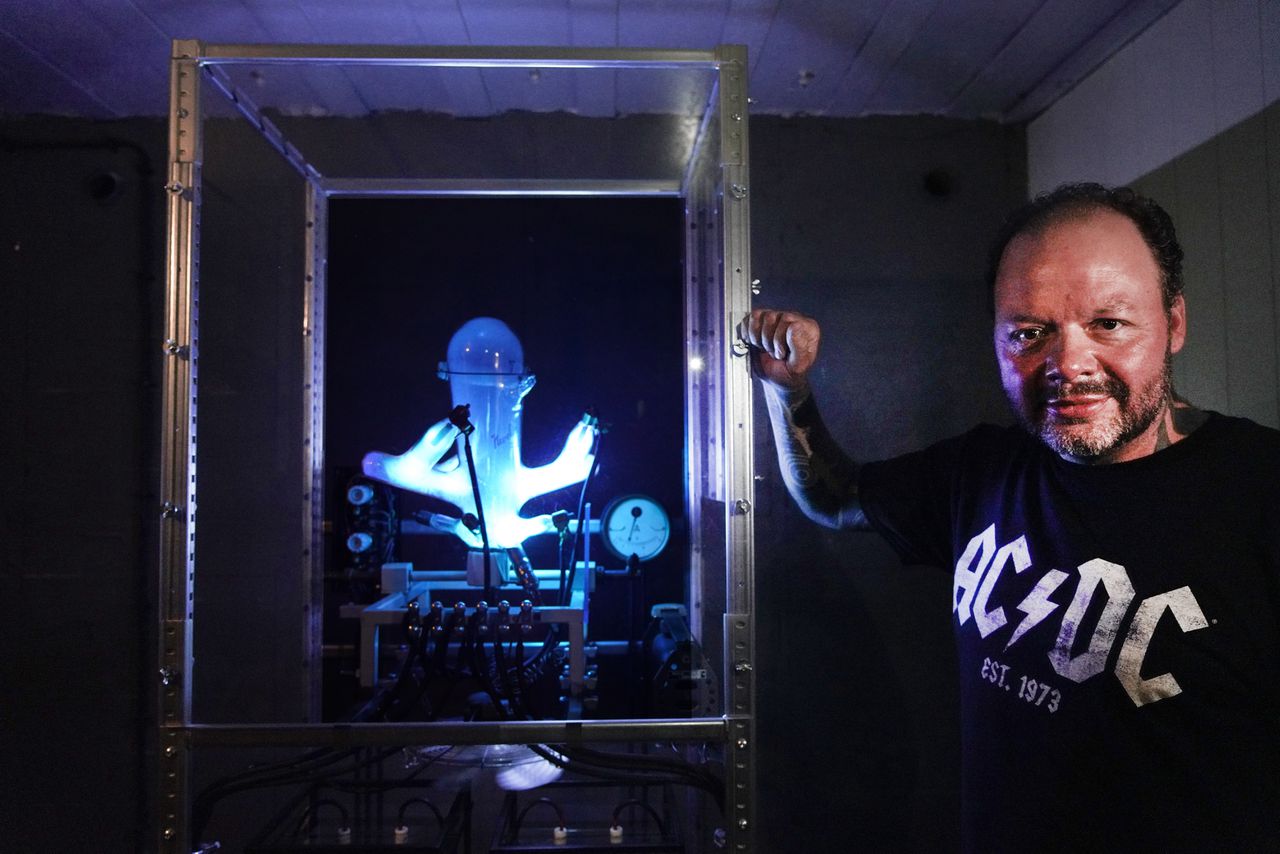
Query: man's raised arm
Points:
[819, 475]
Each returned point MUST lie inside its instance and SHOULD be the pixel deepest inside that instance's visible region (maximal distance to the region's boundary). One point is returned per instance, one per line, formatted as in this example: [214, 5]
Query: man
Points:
[1115, 557]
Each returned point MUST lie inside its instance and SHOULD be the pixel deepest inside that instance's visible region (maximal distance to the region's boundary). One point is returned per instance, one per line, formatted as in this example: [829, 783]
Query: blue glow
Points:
[485, 369]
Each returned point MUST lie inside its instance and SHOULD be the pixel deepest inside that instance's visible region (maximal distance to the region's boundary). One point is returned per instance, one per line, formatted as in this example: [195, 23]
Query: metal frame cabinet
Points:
[715, 187]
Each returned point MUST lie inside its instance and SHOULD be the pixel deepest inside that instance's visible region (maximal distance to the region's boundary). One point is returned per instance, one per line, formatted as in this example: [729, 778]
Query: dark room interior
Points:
[886, 142]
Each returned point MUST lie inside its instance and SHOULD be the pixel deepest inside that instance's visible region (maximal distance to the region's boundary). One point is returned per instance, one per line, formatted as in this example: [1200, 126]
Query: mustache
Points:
[1087, 388]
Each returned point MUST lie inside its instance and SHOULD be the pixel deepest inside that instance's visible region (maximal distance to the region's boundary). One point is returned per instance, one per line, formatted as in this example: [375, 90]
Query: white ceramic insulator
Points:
[560, 835]
[344, 836]
[615, 833]
[401, 834]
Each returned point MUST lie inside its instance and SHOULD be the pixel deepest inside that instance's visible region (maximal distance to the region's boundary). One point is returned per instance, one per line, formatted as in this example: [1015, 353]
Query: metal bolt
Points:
[742, 824]
[167, 676]
[168, 833]
[173, 348]
[742, 506]
[737, 117]
[742, 744]
[170, 751]
[742, 667]
[169, 510]
[175, 187]
[738, 191]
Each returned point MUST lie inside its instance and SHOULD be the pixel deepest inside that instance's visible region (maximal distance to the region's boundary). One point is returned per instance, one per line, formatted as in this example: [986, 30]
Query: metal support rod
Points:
[432, 187]
[465, 56]
[313, 343]
[739, 647]
[177, 442]
[473, 732]
[269, 130]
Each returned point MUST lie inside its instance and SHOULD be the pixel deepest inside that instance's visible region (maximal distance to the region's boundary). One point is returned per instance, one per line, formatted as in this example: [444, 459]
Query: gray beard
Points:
[1104, 440]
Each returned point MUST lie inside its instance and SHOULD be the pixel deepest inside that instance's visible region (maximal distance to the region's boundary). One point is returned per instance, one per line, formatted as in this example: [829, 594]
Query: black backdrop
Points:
[592, 287]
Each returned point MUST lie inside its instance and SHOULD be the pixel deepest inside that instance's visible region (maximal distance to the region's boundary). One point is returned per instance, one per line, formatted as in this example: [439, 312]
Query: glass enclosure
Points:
[453, 392]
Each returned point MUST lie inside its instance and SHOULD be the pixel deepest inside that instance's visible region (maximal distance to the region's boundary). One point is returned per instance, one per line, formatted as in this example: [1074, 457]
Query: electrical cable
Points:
[521, 682]
[625, 762]
[202, 805]
[504, 675]
[401, 830]
[460, 418]
[515, 826]
[633, 802]
[583, 524]
[708, 783]
[480, 665]
[308, 815]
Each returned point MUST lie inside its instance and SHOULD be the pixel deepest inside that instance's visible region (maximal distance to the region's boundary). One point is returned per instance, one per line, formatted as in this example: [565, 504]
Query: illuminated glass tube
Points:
[485, 369]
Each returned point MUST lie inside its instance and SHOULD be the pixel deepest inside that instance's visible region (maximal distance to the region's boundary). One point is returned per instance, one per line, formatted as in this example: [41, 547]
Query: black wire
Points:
[504, 674]
[475, 492]
[633, 802]
[636, 761]
[580, 756]
[708, 783]
[582, 523]
[310, 811]
[481, 667]
[434, 811]
[515, 827]
[521, 684]
[202, 806]
[564, 568]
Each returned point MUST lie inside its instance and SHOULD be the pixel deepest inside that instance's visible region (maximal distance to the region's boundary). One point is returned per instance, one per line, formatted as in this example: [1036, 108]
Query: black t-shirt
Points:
[1118, 629]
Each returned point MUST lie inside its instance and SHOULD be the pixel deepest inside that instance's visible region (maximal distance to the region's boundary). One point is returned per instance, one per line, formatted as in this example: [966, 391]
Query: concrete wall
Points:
[81, 280]
[859, 724]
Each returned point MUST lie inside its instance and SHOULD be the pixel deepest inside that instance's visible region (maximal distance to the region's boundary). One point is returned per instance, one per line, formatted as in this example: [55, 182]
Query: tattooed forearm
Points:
[819, 475]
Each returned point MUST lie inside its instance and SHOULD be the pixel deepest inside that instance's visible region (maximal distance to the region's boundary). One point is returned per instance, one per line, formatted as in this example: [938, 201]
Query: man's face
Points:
[1083, 339]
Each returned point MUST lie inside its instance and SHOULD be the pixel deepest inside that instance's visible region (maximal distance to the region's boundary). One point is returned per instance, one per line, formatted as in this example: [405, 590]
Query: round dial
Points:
[635, 525]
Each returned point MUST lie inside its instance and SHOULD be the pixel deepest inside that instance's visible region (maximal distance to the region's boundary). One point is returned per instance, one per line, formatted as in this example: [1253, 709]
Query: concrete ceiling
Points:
[1000, 59]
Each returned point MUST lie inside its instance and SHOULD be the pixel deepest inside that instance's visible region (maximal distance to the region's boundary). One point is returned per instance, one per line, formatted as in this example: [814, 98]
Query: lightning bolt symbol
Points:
[1036, 605]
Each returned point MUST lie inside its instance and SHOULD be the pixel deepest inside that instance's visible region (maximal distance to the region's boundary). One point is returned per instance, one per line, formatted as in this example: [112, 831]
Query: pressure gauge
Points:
[635, 525]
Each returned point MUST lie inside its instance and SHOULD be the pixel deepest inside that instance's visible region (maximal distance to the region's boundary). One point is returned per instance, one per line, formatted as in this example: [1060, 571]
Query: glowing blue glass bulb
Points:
[485, 369]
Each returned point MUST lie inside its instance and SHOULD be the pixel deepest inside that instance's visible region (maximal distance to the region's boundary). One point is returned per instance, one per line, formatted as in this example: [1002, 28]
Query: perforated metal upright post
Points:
[739, 649]
[177, 464]
[313, 327]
